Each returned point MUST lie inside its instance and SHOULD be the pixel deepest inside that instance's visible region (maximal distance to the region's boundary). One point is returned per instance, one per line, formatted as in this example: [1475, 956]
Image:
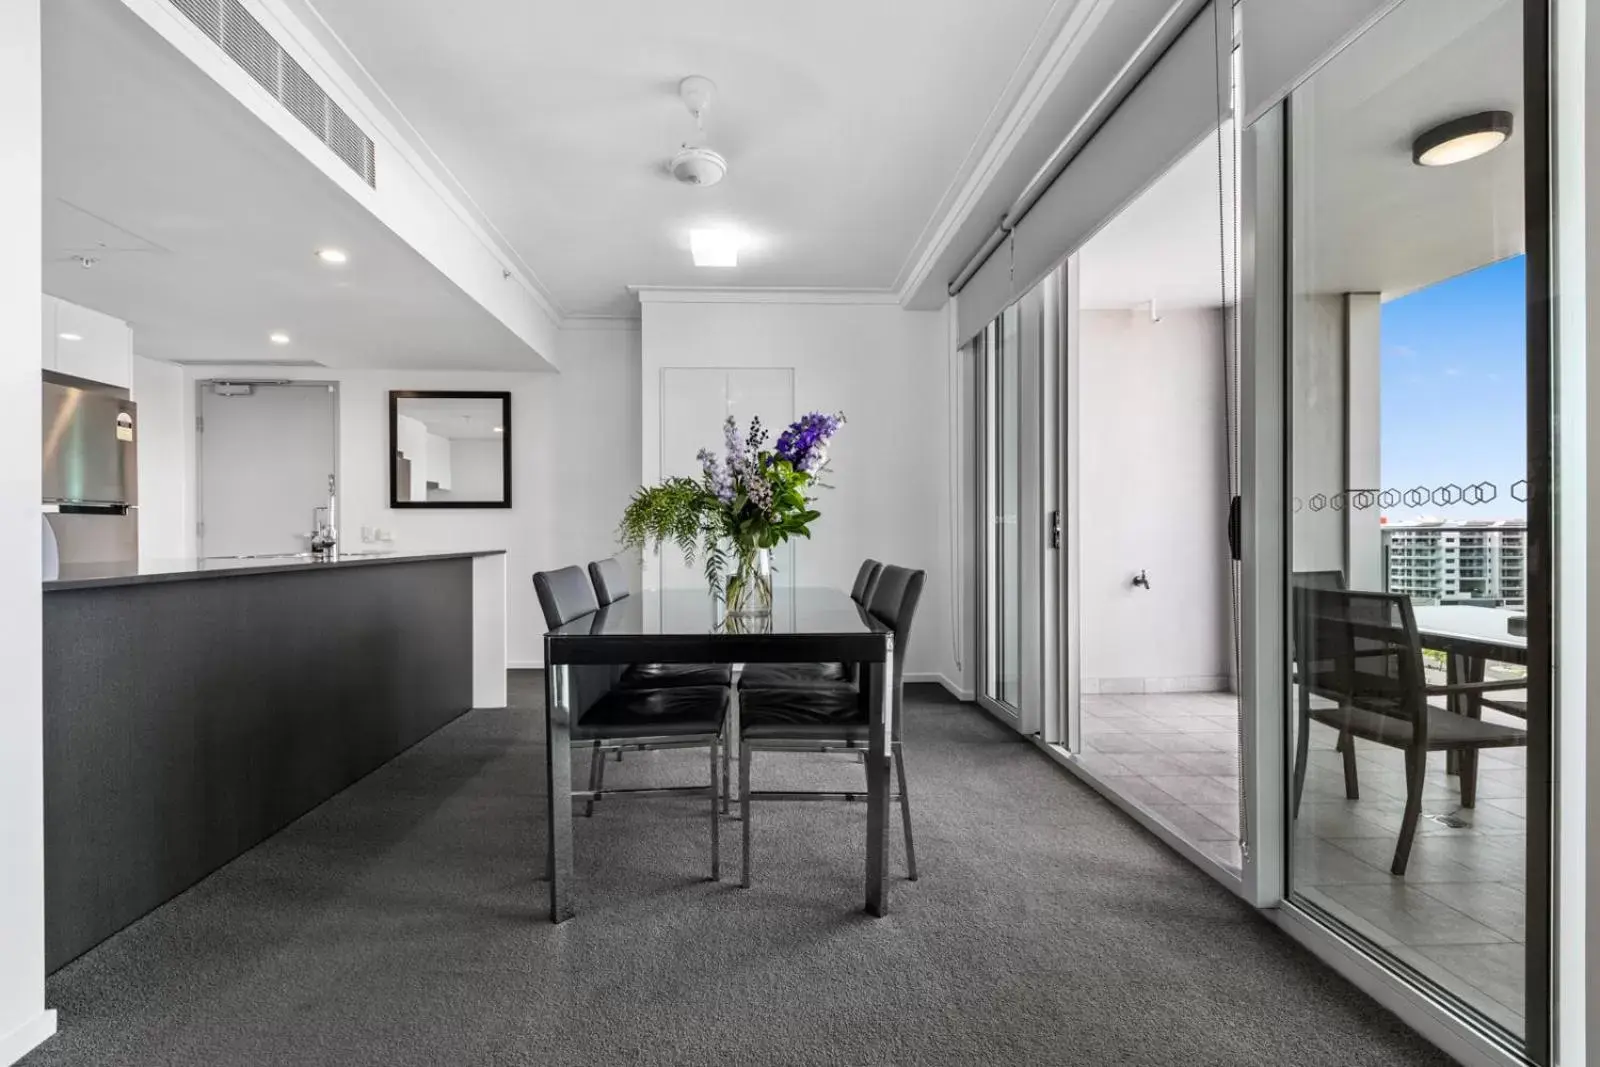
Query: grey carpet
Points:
[403, 922]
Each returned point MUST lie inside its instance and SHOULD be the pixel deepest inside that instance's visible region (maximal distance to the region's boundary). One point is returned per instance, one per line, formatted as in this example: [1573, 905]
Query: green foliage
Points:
[678, 512]
[767, 502]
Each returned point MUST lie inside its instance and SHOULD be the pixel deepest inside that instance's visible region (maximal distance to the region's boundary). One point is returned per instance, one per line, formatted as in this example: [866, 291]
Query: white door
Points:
[694, 403]
[267, 460]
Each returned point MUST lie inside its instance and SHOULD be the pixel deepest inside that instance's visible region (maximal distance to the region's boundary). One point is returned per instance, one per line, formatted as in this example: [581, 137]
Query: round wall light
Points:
[1461, 139]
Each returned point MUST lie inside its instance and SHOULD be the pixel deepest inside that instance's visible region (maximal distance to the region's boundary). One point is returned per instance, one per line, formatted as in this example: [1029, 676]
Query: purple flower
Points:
[717, 477]
[805, 443]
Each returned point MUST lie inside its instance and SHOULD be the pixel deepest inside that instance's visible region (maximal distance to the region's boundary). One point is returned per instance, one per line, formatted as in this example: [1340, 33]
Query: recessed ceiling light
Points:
[499, 429]
[1461, 139]
[332, 255]
[278, 337]
[70, 336]
[714, 248]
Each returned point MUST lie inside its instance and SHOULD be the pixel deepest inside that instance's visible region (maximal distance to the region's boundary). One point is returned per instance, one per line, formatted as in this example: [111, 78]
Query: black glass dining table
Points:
[689, 626]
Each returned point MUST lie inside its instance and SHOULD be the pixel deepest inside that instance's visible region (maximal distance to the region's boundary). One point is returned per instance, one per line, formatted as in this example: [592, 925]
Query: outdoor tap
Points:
[1142, 579]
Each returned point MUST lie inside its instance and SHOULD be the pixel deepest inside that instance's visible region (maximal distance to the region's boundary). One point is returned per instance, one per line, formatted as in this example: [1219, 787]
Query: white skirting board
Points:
[1187, 684]
[27, 1037]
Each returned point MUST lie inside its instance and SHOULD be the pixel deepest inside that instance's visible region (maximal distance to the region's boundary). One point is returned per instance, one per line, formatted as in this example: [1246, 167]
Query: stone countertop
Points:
[147, 571]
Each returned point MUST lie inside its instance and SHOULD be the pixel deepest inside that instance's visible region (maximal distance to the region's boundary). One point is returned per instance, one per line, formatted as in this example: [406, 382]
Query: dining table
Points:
[805, 625]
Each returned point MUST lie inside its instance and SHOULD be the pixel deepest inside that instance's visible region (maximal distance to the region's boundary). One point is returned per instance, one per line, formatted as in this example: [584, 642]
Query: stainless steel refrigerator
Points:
[91, 474]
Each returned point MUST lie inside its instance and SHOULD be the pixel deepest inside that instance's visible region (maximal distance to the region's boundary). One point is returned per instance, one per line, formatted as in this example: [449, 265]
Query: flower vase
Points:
[749, 589]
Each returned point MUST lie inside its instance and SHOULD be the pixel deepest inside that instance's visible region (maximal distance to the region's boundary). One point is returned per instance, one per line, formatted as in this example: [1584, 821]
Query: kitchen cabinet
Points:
[87, 344]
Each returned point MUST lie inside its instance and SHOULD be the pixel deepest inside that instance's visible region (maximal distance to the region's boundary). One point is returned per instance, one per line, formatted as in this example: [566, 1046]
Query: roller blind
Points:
[1175, 105]
[1285, 40]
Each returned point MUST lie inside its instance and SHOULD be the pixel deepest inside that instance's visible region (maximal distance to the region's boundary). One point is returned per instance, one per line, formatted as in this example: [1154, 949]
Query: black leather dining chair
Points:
[1358, 668]
[611, 585]
[610, 716]
[818, 719]
[811, 675]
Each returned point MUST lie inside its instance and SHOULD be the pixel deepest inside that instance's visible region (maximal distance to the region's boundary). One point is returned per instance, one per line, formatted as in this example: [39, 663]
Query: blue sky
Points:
[1454, 383]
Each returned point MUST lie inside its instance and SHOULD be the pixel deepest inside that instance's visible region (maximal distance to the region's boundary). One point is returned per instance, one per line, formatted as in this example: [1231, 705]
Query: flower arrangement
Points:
[745, 503]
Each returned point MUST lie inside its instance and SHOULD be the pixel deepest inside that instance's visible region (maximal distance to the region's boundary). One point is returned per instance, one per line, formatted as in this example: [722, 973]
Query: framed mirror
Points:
[449, 450]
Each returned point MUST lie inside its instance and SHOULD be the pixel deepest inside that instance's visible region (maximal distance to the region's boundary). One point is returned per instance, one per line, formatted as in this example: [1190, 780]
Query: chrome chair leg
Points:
[716, 817]
[905, 811]
[744, 807]
[727, 755]
[597, 770]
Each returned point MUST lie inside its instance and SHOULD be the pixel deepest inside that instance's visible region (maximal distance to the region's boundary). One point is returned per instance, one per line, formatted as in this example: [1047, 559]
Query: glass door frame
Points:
[1266, 347]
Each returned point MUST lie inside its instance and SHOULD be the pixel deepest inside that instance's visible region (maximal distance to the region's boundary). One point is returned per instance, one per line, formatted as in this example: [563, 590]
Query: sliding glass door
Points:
[999, 349]
[1417, 641]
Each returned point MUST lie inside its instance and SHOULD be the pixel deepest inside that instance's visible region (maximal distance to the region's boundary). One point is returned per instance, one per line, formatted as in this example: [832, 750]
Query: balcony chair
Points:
[833, 718]
[611, 716]
[1359, 655]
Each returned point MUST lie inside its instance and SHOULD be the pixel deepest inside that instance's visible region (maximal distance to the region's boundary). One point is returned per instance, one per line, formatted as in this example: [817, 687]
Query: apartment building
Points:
[1439, 561]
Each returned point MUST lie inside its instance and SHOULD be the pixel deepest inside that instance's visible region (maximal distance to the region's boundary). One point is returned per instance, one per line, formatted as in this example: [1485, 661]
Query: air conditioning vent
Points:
[259, 55]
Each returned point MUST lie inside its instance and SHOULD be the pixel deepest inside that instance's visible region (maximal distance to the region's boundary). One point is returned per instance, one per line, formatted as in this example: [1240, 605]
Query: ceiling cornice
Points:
[662, 294]
[600, 322]
[1069, 43]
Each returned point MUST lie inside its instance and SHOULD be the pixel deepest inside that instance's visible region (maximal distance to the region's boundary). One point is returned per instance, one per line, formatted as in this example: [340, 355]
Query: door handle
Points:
[1055, 529]
[1235, 528]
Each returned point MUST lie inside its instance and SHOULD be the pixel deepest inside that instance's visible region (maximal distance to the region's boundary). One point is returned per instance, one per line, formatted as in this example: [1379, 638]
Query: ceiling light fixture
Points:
[714, 248]
[1461, 139]
[278, 337]
[698, 164]
[499, 429]
[335, 256]
[70, 336]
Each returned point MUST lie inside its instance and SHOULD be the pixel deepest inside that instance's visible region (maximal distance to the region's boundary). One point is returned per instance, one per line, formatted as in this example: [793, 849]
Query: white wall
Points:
[575, 461]
[23, 1019]
[166, 451]
[476, 472]
[1153, 496]
[885, 369]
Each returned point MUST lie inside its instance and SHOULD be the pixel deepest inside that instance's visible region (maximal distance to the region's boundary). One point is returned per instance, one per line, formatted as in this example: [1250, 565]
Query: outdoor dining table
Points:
[806, 625]
[1470, 637]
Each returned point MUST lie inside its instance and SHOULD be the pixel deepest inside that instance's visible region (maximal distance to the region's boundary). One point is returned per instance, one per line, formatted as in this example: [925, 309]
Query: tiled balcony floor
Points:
[1460, 913]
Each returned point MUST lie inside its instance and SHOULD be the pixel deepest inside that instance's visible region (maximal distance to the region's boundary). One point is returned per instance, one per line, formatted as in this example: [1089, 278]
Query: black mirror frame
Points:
[397, 395]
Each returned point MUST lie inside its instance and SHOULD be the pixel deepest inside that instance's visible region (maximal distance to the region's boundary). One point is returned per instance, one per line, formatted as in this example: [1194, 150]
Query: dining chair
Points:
[817, 719]
[610, 716]
[1359, 669]
[809, 675]
[610, 581]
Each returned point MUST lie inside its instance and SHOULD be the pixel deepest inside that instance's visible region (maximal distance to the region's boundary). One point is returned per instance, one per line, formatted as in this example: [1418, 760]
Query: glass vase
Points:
[749, 588]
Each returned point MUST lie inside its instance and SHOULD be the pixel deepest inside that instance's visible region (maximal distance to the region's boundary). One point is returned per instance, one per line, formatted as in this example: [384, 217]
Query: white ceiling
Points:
[458, 418]
[205, 221]
[846, 125]
[1372, 220]
[1166, 245]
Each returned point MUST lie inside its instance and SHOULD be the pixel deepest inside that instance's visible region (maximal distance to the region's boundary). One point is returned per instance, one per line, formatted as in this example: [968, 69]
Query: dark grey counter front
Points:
[186, 721]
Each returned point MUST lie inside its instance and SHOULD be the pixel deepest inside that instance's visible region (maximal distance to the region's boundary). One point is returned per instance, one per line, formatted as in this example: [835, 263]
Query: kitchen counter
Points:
[194, 708]
[138, 572]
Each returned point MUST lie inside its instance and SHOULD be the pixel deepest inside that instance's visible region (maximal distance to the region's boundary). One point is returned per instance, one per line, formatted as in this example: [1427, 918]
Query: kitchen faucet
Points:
[324, 534]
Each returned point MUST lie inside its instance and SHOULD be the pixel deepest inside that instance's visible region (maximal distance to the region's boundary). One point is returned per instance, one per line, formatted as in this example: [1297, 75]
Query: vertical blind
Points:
[1175, 105]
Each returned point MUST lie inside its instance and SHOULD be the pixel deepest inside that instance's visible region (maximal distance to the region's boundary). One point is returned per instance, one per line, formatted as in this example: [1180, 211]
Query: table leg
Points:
[558, 795]
[1454, 674]
[880, 694]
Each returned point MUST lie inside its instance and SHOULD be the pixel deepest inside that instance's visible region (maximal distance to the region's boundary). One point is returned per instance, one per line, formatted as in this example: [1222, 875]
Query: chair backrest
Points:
[866, 578]
[1318, 579]
[1361, 651]
[610, 580]
[564, 595]
[894, 603]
